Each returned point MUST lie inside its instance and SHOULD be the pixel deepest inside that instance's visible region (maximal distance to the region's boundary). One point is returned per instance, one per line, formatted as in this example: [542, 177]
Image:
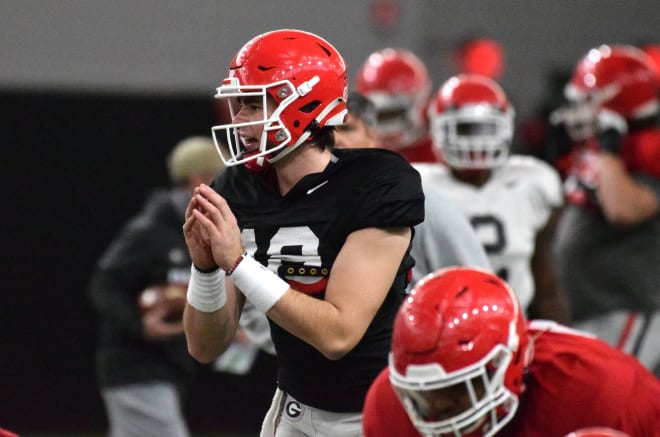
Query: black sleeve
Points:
[112, 302]
[392, 197]
[120, 276]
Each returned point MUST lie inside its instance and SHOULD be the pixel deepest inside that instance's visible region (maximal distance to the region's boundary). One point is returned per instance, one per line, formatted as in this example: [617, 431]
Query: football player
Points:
[465, 362]
[608, 240]
[398, 84]
[511, 201]
[316, 238]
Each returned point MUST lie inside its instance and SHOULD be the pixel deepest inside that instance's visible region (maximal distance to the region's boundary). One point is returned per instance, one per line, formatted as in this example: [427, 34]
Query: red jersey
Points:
[421, 151]
[573, 382]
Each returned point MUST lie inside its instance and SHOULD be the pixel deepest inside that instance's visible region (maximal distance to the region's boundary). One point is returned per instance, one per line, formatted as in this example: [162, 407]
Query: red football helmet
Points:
[616, 80]
[460, 333]
[398, 84]
[597, 432]
[306, 77]
[653, 52]
[471, 122]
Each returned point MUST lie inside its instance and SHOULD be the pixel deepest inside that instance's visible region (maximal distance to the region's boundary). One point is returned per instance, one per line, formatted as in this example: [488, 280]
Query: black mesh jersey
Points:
[299, 236]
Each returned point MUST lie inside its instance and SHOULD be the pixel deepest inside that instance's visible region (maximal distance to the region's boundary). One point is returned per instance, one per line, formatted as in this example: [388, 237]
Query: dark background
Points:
[75, 166]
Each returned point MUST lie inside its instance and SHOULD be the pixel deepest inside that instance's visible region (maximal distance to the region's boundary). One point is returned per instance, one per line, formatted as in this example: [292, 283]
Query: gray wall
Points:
[184, 46]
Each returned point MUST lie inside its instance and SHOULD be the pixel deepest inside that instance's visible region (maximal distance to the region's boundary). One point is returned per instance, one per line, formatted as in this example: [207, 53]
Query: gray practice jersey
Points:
[445, 237]
[605, 268]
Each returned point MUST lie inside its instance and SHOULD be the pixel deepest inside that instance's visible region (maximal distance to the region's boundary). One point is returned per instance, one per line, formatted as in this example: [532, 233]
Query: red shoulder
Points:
[383, 413]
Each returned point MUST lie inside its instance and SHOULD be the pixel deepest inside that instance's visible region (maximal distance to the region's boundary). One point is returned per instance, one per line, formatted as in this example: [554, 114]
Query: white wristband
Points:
[206, 291]
[259, 284]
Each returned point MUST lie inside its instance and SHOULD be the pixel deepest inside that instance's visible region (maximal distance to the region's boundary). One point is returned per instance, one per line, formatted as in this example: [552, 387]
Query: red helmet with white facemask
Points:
[619, 78]
[460, 332]
[610, 85]
[472, 122]
[398, 84]
[306, 78]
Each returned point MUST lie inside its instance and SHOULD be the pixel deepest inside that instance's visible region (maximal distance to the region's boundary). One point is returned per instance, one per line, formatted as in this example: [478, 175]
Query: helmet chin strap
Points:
[257, 165]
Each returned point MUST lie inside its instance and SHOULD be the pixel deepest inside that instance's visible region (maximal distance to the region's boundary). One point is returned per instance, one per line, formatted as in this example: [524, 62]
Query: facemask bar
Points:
[578, 118]
[231, 90]
[483, 151]
[432, 376]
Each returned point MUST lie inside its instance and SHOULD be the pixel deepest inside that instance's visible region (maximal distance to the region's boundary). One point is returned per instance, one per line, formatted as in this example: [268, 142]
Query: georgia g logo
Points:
[294, 410]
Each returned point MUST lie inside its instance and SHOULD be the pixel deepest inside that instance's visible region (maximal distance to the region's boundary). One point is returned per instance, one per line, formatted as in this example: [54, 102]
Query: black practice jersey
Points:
[299, 235]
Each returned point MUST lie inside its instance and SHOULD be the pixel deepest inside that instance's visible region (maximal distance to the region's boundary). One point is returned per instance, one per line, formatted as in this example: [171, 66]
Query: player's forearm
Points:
[318, 323]
[550, 305]
[550, 302]
[624, 201]
[211, 315]
[208, 335]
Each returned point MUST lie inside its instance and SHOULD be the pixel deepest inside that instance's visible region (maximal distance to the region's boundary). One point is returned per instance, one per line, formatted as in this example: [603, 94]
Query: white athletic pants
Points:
[288, 417]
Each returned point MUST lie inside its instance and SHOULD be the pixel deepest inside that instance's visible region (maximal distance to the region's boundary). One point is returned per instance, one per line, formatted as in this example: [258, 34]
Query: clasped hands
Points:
[211, 230]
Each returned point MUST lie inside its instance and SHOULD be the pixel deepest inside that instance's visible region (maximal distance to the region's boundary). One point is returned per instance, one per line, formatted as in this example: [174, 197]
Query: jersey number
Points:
[293, 253]
[490, 231]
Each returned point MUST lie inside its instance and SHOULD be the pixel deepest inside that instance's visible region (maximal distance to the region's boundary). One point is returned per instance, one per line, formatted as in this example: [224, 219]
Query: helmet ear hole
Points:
[309, 107]
[466, 345]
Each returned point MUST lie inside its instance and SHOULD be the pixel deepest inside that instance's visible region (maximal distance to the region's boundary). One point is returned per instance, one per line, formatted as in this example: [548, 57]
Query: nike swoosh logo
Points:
[311, 190]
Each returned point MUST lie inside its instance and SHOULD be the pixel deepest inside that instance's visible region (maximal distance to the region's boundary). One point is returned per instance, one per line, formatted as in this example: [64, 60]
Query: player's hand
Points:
[155, 326]
[196, 238]
[218, 226]
[611, 128]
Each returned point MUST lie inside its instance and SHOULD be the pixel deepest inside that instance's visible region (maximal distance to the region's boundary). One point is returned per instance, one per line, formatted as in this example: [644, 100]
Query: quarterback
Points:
[319, 240]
